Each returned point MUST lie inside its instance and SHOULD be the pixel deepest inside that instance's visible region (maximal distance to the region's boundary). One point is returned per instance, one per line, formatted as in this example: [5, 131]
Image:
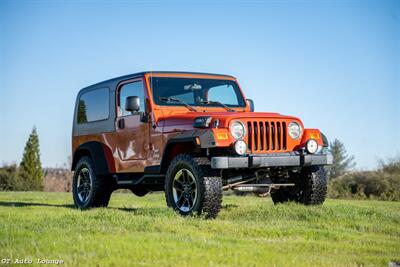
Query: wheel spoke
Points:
[180, 198]
[185, 176]
[179, 189]
[84, 175]
[80, 179]
[178, 183]
[190, 202]
[80, 188]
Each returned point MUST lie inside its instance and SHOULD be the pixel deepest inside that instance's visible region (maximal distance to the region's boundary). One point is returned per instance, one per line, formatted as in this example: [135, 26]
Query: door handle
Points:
[121, 124]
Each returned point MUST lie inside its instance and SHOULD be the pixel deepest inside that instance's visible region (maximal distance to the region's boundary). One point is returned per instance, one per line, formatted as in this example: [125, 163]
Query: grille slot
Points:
[279, 137]
[262, 136]
[284, 135]
[249, 135]
[255, 135]
[267, 132]
[266, 136]
[273, 139]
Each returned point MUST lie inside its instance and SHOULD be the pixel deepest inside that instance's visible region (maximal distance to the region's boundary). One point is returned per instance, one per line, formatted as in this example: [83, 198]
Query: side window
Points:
[93, 106]
[223, 93]
[131, 89]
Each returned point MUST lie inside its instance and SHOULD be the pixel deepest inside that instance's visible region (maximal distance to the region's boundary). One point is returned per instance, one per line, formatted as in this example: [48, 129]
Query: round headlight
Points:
[237, 130]
[311, 146]
[294, 130]
[240, 147]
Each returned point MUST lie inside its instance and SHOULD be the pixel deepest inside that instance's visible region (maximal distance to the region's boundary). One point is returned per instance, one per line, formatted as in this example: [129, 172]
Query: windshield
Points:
[196, 92]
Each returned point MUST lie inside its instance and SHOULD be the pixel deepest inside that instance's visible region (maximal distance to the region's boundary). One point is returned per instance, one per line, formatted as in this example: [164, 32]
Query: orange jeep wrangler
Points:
[191, 135]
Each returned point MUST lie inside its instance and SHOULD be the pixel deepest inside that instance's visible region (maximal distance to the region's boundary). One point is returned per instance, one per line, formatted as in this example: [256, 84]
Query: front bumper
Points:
[276, 160]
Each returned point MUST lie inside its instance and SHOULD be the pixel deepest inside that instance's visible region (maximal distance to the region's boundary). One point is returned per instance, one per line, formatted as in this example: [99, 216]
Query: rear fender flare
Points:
[99, 153]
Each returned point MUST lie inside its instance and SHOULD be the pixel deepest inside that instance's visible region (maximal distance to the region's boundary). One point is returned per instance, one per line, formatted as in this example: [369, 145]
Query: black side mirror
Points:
[132, 104]
[251, 104]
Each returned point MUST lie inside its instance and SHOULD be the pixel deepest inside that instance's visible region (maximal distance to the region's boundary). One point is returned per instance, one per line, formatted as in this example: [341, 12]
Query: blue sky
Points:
[334, 64]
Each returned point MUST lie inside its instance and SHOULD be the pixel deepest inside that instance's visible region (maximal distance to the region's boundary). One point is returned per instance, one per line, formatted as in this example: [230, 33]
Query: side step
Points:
[147, 179]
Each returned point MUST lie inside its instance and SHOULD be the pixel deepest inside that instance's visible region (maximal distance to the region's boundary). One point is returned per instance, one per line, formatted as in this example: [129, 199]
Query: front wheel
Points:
[310, 188]
[192, 187]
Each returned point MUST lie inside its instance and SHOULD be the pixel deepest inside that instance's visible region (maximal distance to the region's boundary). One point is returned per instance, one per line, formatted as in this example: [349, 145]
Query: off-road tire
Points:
[310, 189]
[208, 184]
[282, 195]
[101, 190]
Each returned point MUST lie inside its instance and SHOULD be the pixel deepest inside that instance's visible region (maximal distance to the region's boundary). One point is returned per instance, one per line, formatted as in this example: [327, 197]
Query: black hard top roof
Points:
[139, 74]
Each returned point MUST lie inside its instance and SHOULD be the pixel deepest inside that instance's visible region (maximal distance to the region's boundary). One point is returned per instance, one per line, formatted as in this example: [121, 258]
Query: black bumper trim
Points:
[270, 161]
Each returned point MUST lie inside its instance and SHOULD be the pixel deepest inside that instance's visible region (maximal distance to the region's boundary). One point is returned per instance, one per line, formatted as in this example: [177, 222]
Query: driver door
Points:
[132, 132]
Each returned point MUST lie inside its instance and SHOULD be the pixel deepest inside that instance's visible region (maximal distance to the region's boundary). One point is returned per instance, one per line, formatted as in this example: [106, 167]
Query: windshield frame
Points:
[242, 103]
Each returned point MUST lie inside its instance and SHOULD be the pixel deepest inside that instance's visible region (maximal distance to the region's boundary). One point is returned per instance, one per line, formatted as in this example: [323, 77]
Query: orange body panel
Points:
[121, 150]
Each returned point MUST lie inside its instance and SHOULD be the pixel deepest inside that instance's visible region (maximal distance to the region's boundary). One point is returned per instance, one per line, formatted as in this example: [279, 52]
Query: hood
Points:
[224, 117]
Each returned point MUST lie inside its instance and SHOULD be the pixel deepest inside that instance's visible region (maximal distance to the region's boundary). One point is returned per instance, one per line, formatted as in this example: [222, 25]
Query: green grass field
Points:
[250, 231]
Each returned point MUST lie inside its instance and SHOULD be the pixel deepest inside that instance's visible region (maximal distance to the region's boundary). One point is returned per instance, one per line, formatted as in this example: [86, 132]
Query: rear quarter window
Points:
[93, 106]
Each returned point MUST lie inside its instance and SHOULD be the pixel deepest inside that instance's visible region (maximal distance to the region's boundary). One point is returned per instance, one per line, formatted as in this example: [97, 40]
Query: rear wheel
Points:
[192, 187]
[310, 188]
[88, 189]
[282, 195]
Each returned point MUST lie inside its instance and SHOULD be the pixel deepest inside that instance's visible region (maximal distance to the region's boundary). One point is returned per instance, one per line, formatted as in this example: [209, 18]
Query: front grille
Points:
[266, 136]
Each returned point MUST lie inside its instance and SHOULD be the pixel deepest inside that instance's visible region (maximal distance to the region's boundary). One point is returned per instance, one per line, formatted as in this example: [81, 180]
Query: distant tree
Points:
[82, 117]
[30, 170]
[342, 162]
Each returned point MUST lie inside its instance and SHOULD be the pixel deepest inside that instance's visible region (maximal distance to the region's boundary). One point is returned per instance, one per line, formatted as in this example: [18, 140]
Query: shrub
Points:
[383, 184]
[10, 180]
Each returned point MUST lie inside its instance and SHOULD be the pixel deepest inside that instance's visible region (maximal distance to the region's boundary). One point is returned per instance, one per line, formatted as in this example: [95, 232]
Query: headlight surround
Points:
[202, 122]
[237, 129]
[240, 147]
[294, 130]
[312, 146]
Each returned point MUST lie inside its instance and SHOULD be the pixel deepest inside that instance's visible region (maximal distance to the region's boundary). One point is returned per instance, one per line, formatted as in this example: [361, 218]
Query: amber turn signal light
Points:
[222, 136]
[315, 136]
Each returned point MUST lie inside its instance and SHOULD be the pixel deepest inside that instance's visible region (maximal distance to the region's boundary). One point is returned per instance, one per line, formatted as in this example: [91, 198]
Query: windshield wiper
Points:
[169, 99]
[218, 103]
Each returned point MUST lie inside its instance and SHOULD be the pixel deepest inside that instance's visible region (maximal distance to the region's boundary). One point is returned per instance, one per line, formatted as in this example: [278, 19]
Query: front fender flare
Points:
[205, 140]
